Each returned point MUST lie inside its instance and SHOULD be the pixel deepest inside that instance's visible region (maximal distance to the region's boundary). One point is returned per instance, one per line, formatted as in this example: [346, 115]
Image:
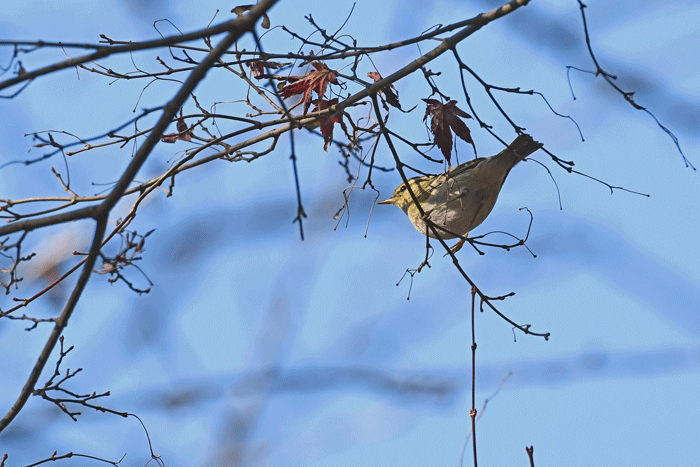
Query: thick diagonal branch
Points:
[101, 212]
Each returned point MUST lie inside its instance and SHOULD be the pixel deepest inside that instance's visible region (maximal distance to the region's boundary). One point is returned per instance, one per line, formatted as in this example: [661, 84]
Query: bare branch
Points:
[235, 30]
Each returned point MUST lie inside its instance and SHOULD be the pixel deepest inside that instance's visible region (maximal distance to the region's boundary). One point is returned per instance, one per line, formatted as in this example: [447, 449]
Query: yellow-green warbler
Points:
[460, 199]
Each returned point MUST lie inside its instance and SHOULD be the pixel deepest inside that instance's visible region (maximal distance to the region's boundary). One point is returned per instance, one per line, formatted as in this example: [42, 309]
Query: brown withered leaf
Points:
[327, 122]
[443, 118]
[315, 80]
[183, 132]
[258, 68]
[239, 10]
[389, 92]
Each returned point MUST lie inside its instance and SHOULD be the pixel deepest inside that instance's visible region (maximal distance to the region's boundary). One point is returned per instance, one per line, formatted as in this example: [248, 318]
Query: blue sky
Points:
[238, 295]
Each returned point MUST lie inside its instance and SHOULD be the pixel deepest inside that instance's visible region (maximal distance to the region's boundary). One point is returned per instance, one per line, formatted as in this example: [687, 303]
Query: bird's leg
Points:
[458, 246]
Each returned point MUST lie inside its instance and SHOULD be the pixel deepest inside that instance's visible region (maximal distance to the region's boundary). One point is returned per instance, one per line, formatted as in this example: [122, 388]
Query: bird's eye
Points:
[403, 188]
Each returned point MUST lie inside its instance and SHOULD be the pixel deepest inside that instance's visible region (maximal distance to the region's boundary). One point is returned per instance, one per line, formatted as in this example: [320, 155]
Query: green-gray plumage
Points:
[460, 199]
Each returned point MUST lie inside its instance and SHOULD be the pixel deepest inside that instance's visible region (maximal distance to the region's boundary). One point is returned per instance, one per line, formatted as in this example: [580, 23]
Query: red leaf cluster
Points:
[443, 118]
[315, 80]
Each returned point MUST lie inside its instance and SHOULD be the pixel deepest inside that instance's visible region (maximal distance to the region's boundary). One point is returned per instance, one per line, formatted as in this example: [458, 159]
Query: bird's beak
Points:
[386, 201]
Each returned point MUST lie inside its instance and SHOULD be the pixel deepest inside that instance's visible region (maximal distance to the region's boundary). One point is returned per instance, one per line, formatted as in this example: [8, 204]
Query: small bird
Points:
[460, 199]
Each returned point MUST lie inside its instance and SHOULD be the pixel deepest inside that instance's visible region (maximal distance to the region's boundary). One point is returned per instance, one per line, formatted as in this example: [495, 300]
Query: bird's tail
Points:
[520, 148]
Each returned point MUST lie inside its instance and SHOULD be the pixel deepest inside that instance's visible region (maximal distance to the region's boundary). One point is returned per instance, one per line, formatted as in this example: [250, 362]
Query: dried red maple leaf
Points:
[327, 122]
[183, 132]
[444, 117]
[316, 80]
